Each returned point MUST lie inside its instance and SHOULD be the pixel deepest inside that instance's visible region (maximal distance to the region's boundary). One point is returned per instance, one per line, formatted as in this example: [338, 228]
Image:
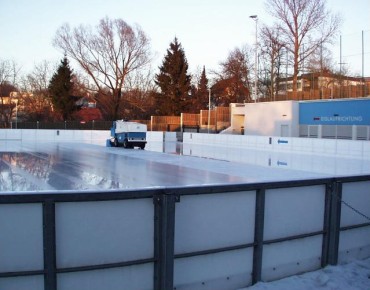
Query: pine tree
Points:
[173, 81]
[60, 90]
[203, 90]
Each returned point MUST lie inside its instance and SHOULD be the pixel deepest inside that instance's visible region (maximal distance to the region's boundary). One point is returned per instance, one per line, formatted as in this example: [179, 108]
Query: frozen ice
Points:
[40, 166]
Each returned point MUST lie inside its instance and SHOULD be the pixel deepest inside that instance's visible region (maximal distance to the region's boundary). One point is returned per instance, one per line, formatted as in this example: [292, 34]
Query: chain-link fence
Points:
[67, 125]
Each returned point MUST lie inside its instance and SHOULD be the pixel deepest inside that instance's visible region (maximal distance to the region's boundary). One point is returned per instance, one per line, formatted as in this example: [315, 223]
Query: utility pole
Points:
[209, 108]
[255, 18]
[363, 67]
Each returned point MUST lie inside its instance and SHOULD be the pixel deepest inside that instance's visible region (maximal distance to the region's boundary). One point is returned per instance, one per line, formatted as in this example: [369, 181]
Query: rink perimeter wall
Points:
[348, 148]
[210, 237]
[84, 136]
[222, 237]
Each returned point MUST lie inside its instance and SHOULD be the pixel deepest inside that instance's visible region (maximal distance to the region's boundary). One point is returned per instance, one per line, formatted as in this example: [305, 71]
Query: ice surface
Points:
[30, 166]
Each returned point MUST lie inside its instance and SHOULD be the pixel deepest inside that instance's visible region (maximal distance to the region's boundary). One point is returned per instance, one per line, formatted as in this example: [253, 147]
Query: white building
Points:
[333, 119]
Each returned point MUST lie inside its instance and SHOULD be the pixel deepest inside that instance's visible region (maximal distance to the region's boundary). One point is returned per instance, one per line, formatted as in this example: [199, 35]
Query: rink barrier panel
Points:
[85, 136]
[164, 268]
[350, 148]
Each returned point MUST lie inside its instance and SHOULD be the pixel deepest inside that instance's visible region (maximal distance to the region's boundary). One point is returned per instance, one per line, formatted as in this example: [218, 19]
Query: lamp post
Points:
[209, 108]
[16, 114]
[15, 97]
[255, 18]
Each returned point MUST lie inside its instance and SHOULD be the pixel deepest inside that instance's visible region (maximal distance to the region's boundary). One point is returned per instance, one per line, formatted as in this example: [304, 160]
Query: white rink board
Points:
[129, 278]
[350, 148]
[294, 211]
[357, 196]
[90, 233]
[291, 257]
[22, 283]
[214, 220]
[354, 244]
[222, 271]
[21, 237]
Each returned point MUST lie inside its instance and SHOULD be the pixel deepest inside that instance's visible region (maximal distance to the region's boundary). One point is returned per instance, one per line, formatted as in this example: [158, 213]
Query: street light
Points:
[15, 97]
[209, 108]
[255, 18]
[16, 114]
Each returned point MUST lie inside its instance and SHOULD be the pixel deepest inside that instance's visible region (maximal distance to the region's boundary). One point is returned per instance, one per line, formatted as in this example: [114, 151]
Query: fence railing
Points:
[207, 237]
[67, 125]
[219, 120]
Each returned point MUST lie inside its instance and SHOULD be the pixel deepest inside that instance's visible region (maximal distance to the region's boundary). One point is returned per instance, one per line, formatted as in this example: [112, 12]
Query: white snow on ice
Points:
[352, 276]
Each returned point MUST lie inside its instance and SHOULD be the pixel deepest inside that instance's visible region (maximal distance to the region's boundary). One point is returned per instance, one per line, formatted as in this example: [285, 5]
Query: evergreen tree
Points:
[173, 81]
[61, 89]
[203, 90]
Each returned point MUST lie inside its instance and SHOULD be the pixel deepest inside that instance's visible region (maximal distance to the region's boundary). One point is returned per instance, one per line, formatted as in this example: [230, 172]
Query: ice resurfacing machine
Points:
[128, 134]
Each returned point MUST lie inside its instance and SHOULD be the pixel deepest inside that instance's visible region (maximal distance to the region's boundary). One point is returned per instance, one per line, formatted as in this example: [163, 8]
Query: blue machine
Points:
[128, 134]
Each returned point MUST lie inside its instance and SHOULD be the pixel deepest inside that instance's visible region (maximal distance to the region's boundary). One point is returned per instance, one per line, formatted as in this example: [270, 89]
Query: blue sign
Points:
[335, 112]
[282, 141]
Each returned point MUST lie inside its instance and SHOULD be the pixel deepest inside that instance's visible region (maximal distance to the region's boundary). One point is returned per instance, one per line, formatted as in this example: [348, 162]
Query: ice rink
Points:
[213, 235]
[39, 166]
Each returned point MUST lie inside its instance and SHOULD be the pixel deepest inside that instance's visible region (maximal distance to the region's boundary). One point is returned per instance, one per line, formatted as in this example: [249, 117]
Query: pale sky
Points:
[207, 29]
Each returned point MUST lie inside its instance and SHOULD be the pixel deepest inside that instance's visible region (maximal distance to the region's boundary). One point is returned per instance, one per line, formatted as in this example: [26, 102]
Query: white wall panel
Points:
[45, 134]
[154, 136]
[293, 211]
[291, 257]
[22, 283]
[3, 134]
[223, 271]
[354, 245]
[215, 220]
[80, 135]
[357, 196]
[13, 134]
[91, 233]
[128, 278]
[21, 239]
[29, 135]
[170, 136]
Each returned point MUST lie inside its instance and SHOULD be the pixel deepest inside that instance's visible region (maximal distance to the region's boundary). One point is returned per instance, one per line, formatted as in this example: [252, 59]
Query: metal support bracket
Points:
[164, 240]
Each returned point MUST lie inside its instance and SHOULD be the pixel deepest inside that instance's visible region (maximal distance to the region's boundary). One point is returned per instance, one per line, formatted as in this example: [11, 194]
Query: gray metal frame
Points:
[164, 201]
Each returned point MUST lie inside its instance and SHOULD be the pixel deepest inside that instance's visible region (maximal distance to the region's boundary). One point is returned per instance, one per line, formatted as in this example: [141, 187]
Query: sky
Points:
[207, 29]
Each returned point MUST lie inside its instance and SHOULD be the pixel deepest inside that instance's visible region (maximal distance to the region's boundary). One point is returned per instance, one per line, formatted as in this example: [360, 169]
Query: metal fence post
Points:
[334, 223]
[326, 225]
[258, 235]
[164, 241]
[50, 277]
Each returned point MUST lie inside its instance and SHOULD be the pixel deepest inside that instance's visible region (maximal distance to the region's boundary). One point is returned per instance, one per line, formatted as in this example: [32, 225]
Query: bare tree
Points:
[271, 59]
[108, 55]
[139, 95]
[232, 84]
[35, 99]
[305, 25]
[38, 79]
[320, 60]
[9, 71]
